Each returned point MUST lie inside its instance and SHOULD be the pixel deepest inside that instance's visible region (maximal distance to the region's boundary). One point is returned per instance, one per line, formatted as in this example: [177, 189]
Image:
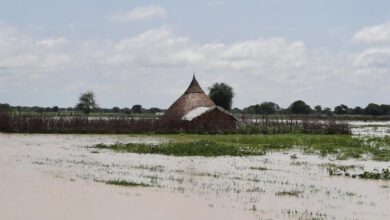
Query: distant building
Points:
[194, 110]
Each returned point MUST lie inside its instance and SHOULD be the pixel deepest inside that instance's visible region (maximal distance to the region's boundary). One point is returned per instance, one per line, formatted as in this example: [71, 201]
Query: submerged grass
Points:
[127, 183]
[294, 192]
[342, 146]
[258, 168]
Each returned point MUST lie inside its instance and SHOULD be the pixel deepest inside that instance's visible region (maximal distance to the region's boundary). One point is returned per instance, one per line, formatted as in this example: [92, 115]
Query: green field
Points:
[341, 146]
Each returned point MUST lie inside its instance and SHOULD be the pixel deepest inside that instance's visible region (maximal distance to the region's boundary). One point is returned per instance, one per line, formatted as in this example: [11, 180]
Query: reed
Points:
[34, 123]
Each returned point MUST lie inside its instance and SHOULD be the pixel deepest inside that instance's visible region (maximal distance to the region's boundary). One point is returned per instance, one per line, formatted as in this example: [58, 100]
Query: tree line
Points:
[222, 95]
[300, 107]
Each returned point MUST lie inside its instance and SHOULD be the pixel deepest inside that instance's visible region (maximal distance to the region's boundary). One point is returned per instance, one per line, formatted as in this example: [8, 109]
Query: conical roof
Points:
[194, 87]
[192, 98]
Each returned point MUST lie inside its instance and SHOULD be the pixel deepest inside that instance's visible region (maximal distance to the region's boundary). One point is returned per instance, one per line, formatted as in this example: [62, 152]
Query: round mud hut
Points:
[195, 111]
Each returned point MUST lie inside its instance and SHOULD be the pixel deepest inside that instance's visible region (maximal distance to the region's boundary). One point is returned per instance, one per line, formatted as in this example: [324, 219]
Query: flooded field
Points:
[278, 185]
[371, 129]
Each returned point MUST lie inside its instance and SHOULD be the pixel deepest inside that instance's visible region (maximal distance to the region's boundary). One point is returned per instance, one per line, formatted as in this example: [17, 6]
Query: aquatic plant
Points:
[258, 168]
[293, 192]
[384, 175]
[204, 148]
[342, 146]
[126, 183]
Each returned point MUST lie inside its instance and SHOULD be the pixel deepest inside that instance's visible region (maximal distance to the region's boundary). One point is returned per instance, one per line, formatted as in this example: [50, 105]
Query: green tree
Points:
[357, 111]
[327, 111]
[116, 109]
[267, 108]
[385, 109]
[87, 102]
[222, 95]
[300, 107]
[136, 109]
[318, 109]
[341, 109]
[373, 109]
[154, 110]
[126, 111]
[5, 107]
[236, 110]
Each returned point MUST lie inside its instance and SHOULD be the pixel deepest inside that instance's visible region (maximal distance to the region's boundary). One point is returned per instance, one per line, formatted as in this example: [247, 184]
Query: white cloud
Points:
[53, 42]
[140, 13]
[154, 67]
[161, 47]
[261, 69]
[19, 52]
[158, 47]
[377, 58]
[375, 34]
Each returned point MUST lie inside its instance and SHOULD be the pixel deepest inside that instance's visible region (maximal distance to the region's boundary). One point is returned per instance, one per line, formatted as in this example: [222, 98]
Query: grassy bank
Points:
[343, 146]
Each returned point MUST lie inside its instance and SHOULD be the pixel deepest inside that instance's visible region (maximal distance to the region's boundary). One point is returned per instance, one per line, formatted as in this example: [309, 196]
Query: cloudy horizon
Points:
[145, 52]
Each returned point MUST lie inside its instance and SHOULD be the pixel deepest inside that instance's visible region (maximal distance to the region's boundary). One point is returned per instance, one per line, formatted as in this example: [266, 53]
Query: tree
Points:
[300, 107]
[236, 110]
[318, 109]
[268, 108]
[222, 95]
[55, 109]
[327, 111]
[373, 109]
[116, 109]
[154, 110]
[136, 109]
[357, 111]
[341, 109]
[5, 107]
[253, 109]
[385, 109]
[87, 102]
[127, 111]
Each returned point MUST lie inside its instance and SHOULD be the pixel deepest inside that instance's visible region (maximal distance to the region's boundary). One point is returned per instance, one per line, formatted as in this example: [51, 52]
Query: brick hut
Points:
[195, 111]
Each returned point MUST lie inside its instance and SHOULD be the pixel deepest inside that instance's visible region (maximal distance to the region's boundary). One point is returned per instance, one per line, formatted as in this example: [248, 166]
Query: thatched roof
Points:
[192, 98]
[191, 115]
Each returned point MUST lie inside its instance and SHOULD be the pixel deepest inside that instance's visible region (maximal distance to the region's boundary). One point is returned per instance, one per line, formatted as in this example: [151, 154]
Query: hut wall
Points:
[214, 121]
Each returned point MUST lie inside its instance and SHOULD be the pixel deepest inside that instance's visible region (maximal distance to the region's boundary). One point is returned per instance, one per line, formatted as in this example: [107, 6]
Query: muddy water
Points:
[273, 186]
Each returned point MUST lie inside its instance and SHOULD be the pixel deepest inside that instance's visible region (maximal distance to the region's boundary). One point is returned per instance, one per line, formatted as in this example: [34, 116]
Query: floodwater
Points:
[278, 185]
[369, 128]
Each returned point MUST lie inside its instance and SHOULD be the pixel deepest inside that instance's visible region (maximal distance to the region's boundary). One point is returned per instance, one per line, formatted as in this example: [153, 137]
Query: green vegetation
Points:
[342, 146]
[204, 148]
[341, 170]
[300, 107]
[384, 175]
[126, 183]
[222, 95]
[87, 102]
[294, 192]
[265, 108]
[258, 168]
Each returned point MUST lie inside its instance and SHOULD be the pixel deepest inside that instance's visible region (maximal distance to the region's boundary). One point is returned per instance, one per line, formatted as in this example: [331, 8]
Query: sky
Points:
[325, 52]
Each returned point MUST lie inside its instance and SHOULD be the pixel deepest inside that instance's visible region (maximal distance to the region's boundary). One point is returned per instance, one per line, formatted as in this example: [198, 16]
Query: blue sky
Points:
[144, 52]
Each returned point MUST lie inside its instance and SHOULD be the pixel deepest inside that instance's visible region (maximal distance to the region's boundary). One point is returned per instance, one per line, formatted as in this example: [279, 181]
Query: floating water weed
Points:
[258, 168]
[294, 192]
[204, 148]
[126, 183]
